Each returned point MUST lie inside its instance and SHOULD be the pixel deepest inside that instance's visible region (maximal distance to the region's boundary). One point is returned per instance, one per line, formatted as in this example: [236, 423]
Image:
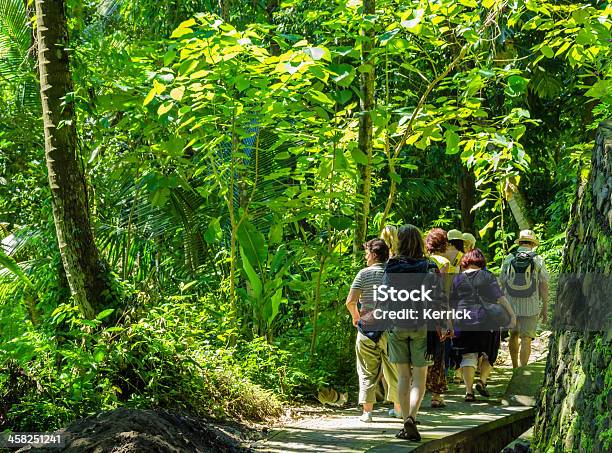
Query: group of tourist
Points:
[409, 359]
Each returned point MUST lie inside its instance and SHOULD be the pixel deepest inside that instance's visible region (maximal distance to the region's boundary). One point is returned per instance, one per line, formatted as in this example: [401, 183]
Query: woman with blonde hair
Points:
[389, 235]
[469, 242]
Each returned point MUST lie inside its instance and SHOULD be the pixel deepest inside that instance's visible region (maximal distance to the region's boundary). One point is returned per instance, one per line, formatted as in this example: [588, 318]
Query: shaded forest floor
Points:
[302, 429]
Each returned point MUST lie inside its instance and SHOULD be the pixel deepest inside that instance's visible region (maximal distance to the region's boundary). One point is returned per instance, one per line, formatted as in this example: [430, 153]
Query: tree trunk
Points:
[364, 183]
[467, 198]
[576, 394]
[271, 7]
[86, 273]
[519, 211]
[224, 9]
[517, 204]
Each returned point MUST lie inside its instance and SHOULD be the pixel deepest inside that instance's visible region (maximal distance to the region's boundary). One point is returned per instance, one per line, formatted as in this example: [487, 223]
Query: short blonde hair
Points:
[389, 235]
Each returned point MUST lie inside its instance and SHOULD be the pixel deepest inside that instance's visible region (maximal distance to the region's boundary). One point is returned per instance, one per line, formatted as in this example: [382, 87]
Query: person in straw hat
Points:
[524, 279]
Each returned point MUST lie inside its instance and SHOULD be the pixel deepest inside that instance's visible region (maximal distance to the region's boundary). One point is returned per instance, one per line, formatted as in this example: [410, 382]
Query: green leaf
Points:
[359, 156]
[345, 74]
[254, 280]
[105, 313]
[276, 233]
[12, 266]
[164, 108]
[318, 53]
[341, 222]
[483, 231]
[452, 142]
[177, 93]
[320, 97]
[601, 90]
[99, 355]
[325, 168]
[563, 48]
[253, 243]
[150, 96]
[395, 177]
[414, 25]
[516, 85]
[547, 51]
[479, 204]
[275, 302]
[387, 36]
[213, 233]
[242, 83]
[343, 96]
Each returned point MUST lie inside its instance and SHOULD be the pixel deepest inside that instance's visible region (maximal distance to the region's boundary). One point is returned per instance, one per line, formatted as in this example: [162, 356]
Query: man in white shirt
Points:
[524, 279]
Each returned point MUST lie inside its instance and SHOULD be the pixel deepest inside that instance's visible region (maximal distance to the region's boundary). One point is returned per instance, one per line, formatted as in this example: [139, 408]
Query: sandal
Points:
[469, 398]
[482, 389]
[409, 431]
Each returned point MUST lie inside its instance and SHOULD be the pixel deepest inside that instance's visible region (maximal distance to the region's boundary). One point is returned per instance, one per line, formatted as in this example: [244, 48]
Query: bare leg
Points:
[397, 407]
[419, 379]
[468, 378]
[485, 370]
[525, 350]
[404, 377]
[368, 407]
[513, 348]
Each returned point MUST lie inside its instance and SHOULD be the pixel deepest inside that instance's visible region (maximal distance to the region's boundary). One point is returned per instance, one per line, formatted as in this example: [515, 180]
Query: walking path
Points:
[333, 430]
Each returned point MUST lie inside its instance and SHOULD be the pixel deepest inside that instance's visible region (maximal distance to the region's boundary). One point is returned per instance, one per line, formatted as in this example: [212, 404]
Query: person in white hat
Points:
[469, 242]
[524, 279]
[454, 250]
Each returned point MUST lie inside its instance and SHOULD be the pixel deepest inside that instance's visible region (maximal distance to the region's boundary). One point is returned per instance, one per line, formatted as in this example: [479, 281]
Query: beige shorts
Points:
[408, 346]
[525, 326]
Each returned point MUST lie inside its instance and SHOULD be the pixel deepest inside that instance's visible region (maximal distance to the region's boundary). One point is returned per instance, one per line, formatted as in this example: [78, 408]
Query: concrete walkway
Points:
[335, 430]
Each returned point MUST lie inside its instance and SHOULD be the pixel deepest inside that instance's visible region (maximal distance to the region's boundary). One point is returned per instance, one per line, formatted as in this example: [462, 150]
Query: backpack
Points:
[490, 315]
[410, 273]
[522, 275]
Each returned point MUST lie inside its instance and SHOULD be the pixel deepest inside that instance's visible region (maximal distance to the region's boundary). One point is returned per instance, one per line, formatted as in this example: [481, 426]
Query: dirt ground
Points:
[539, 349]
[143, 431]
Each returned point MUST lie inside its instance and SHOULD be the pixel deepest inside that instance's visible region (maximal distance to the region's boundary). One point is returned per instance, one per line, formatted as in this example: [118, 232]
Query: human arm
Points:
[351, 304]
[543, 279]
[504, 303]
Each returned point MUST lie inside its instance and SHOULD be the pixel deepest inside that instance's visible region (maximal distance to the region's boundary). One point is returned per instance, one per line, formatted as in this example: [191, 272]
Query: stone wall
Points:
[575, 404]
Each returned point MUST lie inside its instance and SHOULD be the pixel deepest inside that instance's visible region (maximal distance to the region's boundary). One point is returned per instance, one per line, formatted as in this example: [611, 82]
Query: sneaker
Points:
[394, 414]
[366, 417]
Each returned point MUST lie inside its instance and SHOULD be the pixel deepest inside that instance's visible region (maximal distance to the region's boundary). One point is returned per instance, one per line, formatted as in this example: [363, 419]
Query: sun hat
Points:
[468, 237]
[454, 235]
[528, 236]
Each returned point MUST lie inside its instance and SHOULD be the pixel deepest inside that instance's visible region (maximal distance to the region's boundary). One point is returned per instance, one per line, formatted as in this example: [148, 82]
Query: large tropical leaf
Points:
[11, 265]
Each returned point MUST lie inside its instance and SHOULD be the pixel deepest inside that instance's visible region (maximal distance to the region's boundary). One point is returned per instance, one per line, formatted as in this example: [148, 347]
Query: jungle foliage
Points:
[224, 172]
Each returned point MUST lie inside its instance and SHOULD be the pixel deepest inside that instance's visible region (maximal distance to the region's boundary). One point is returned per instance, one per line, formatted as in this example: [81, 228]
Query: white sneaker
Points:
[394, 414]
[366, 417]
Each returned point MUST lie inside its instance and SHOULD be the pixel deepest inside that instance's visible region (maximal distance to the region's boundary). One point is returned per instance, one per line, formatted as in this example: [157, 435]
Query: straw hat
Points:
[528, 236]
[454, 234]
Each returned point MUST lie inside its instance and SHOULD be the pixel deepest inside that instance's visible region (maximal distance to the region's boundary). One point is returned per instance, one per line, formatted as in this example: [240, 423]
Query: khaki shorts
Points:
[525, 326]
[372, 363]
[408, 346]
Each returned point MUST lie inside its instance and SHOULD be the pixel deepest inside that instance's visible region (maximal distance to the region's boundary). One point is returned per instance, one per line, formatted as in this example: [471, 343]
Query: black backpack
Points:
[409, 273]
[490, 314]
[522, 275]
